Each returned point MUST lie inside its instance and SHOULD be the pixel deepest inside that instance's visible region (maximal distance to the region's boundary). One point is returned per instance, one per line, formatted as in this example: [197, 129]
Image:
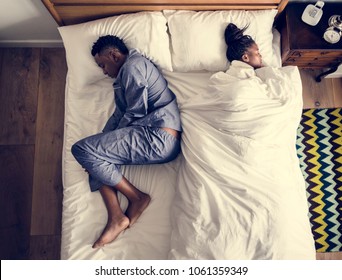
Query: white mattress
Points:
[158, 234]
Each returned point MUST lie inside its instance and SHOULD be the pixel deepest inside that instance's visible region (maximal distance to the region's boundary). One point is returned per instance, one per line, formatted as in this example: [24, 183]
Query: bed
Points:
[236, 191]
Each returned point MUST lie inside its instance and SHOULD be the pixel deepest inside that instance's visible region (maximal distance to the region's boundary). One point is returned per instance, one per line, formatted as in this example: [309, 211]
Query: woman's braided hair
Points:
[237, 42]
[107, 41]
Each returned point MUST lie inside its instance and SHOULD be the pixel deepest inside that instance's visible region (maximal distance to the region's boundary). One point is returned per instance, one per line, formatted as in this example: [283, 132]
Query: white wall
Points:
[27, 23]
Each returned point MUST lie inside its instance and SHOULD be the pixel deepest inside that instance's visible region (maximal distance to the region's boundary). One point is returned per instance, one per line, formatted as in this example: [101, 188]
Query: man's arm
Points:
[113, 121]
[136, 96]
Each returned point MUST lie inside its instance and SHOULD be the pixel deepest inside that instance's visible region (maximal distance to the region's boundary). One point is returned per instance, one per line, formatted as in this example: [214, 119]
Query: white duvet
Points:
[240, 193]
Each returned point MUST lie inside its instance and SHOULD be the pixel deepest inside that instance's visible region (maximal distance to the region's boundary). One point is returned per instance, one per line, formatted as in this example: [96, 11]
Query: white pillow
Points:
[197, 38]
[145, 31]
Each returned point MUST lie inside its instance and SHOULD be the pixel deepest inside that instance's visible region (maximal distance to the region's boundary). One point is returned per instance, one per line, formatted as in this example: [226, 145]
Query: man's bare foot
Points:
[111, 231]
[136, 207]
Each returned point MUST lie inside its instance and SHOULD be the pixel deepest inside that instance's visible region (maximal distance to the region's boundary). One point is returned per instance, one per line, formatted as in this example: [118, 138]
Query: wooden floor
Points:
[32, 82]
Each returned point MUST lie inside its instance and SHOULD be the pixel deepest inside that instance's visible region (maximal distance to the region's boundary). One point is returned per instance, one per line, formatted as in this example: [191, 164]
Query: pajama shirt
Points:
[133, 134]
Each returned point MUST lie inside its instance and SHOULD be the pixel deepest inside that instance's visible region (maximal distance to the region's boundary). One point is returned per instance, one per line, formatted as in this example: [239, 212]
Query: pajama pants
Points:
[103, 154]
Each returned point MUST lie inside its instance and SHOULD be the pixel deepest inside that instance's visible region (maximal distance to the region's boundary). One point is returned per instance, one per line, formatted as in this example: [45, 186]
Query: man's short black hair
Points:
[108, 41]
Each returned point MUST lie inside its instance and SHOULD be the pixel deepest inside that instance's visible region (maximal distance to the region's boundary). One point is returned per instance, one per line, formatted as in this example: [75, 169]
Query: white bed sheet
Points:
[84, 215]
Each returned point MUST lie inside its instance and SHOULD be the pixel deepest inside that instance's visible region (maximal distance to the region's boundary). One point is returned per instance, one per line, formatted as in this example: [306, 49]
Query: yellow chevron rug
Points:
[319, 148]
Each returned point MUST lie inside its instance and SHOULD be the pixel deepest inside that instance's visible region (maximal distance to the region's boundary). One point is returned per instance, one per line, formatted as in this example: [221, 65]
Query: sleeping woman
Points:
[241, 47]
[240, 181]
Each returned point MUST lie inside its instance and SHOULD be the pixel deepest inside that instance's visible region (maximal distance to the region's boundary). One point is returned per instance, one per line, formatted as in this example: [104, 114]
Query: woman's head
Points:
[241, 47]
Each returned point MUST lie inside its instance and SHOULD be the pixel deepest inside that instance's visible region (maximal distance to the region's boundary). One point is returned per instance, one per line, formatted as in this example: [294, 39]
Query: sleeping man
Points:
[144, 129]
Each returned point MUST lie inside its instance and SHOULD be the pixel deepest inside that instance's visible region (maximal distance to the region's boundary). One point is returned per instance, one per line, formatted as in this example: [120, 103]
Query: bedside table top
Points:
[304, 36]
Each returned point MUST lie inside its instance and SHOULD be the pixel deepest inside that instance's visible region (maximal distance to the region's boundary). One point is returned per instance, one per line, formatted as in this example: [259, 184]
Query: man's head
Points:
[241, 47]
[110, 53]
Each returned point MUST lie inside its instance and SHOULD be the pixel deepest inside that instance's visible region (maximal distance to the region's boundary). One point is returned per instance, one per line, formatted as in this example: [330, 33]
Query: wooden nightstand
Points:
[303, 45]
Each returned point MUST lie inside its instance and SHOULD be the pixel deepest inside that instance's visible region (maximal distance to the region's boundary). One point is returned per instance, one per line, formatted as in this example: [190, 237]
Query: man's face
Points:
[107, 61]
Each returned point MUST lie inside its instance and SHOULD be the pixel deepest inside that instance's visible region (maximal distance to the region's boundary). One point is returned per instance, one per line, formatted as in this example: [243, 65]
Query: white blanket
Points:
[240, 193]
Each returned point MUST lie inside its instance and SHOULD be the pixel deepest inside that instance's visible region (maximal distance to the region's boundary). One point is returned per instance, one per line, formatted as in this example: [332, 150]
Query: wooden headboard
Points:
[67, 12]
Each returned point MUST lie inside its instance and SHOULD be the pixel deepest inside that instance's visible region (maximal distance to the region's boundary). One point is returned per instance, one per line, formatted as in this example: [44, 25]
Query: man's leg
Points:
[117, 221]
[137, 199]
[101, 155]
